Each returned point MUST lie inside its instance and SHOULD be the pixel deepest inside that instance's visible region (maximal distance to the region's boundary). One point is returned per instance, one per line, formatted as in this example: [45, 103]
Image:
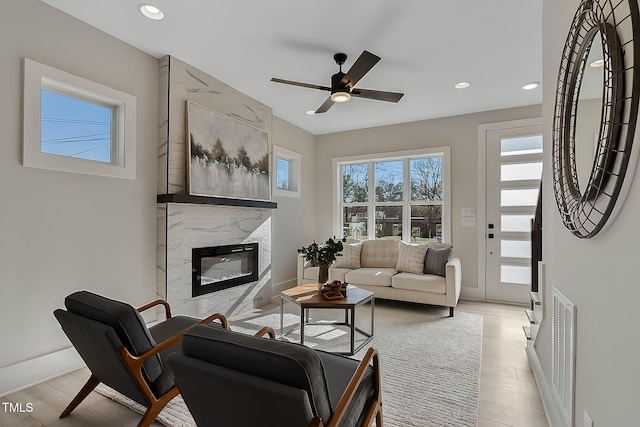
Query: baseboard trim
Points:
[472, 293]
[34, 371]
[551, 409]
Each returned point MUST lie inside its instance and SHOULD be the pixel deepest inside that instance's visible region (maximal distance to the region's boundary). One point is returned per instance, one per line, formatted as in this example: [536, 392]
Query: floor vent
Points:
[563, 353]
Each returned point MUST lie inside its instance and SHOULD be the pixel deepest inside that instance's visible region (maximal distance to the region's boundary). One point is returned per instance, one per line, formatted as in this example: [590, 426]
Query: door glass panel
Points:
[520, 171]
[521, 145]
[525, 197]
[515, 274]
[515, 223]
[515, 248]
[389, 222]
[354, 222]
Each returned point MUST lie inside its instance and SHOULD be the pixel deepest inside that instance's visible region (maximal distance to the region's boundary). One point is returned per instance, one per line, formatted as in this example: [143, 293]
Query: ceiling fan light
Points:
[340, 96]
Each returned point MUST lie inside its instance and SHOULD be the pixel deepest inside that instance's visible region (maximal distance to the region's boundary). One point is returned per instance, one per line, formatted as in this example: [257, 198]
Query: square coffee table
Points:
[308, 296]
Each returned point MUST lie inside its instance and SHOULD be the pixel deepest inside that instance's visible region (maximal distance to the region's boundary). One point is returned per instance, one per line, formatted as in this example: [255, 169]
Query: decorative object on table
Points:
[586, 200]
[322, 255]
[226, 157]
[334, 290]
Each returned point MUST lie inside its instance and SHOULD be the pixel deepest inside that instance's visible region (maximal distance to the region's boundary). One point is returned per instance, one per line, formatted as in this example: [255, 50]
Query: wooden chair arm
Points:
[266, 330]
[356, 379]
[219, 316]
[167, 308]
[139, 360]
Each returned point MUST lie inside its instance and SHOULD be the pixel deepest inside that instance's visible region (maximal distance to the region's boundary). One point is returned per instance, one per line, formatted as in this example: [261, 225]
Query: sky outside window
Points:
[74, 128]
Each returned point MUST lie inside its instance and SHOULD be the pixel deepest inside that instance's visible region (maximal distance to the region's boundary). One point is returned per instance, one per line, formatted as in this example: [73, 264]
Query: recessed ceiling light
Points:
[311, 112]
[531, 85]
[596, 64]
[150, 11]
[462, 85]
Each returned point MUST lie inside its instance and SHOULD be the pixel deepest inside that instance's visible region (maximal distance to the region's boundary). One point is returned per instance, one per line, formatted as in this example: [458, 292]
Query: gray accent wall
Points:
[59, 231]
[459, 132]
[599, 275]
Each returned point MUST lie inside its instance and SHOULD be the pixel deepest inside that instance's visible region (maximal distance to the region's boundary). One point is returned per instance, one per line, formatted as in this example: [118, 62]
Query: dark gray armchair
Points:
[235, 380]
[121, 352]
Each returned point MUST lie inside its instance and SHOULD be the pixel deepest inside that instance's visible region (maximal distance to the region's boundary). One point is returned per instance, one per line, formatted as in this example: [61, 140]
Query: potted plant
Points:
[322, 255]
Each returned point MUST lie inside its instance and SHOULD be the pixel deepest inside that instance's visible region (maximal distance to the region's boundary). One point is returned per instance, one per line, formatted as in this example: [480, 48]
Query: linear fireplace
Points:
[220, 267]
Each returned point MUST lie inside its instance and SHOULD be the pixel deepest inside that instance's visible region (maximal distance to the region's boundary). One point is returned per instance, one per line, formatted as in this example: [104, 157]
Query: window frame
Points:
[406, 203]
[37, 77]
[295, 172]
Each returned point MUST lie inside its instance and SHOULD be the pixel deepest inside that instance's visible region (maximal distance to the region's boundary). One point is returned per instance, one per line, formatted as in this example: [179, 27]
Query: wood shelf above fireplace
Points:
[221, 201]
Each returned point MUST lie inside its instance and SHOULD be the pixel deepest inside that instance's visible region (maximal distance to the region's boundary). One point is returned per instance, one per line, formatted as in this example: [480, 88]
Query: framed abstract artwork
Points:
[226, 157]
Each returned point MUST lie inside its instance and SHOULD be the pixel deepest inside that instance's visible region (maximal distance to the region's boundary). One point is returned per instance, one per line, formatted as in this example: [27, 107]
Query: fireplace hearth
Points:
[220, 267]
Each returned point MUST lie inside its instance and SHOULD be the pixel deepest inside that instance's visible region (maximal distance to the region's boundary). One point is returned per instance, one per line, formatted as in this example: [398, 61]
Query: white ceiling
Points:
[426, 47]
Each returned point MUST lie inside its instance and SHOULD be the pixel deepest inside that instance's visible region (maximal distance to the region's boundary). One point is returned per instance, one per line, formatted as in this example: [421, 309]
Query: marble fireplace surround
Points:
[186, 222]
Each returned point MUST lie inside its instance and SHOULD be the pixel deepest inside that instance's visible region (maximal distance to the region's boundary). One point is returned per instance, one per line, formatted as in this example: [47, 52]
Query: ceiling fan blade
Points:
[307, 85]
[377, 95]
[325, 106]
[363, 64]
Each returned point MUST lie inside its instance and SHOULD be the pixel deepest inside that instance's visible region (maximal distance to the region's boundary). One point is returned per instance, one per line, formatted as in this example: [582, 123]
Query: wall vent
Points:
[563, 353]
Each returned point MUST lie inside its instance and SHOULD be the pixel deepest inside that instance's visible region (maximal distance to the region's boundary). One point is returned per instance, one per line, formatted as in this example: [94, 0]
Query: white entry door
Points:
[514, 171]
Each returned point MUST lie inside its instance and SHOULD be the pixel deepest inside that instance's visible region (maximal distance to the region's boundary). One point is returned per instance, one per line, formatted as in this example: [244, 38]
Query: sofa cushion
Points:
[379, 253]
[436, 260]
[350, 257]
[371, 276]
[337, 273]
[420, 282]
[411, 257]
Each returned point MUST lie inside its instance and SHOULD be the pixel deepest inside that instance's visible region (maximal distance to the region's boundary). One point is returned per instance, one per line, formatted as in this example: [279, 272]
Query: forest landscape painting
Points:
[227, 158]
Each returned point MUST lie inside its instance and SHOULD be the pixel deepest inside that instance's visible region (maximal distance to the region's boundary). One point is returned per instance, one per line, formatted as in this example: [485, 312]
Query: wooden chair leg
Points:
[379, 417]
[156, 407]
[91, 383]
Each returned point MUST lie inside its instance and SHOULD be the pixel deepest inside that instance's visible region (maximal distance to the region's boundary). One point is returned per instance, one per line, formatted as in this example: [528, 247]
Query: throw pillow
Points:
[350, 256]
[411, 257]
[436, 260]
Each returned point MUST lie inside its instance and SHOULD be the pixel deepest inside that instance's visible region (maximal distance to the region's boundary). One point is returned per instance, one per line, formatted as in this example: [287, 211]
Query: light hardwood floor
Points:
[508, 392]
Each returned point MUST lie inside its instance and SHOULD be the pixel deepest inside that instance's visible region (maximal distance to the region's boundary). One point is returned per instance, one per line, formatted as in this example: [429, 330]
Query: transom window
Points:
[400, 195]
[76, 125]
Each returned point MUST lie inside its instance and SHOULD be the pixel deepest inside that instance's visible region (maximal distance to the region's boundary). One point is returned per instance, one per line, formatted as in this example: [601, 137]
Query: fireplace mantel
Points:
[207, 200]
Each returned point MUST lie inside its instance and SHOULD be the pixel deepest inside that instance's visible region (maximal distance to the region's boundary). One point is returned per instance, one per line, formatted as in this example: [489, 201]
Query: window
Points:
[400, 195]
[76, 125]
[287, 172]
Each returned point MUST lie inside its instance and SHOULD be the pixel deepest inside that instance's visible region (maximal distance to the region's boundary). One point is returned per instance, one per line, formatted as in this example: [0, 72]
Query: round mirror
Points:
[596, 112]
[589, 114]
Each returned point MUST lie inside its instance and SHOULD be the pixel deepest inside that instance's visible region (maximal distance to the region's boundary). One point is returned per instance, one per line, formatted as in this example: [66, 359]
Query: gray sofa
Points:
[378, 273]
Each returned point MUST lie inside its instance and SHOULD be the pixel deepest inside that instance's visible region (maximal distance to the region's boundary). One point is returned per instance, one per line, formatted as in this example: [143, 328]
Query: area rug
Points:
[430, 363]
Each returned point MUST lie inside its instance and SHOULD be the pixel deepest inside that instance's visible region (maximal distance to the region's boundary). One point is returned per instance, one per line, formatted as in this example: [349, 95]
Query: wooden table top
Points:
[309, 295]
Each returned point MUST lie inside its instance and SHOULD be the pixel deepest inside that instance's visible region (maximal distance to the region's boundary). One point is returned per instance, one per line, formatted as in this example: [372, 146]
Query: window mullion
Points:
[371, 220]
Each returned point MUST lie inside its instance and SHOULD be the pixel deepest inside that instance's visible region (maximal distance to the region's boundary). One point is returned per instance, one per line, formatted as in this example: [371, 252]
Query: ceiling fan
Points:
[342, 85]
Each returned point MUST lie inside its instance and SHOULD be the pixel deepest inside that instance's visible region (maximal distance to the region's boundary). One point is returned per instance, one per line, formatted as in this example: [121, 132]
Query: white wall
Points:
[293, 223]
[599, 275]
[459, 132]
[59, 231]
